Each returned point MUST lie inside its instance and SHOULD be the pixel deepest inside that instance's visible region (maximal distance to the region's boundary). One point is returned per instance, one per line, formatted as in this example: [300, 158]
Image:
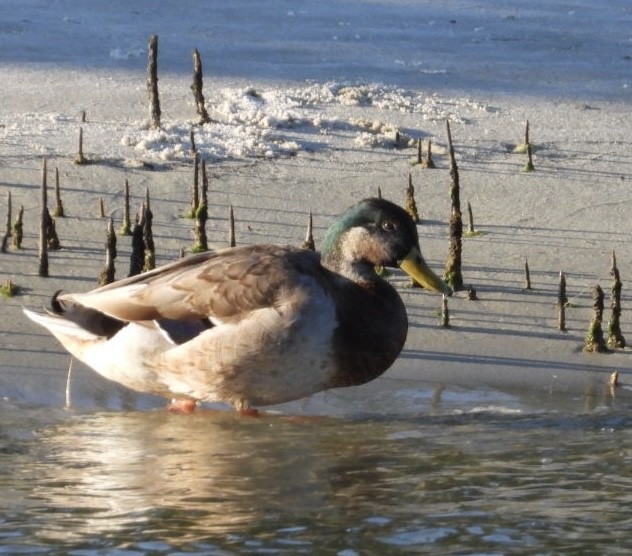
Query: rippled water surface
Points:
[480, 482]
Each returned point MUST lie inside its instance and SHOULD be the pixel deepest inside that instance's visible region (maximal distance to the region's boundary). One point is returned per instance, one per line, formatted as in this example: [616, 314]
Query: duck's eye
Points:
[388, 226]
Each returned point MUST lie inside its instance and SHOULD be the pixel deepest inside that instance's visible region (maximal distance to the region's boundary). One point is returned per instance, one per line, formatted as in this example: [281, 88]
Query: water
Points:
[480, 481]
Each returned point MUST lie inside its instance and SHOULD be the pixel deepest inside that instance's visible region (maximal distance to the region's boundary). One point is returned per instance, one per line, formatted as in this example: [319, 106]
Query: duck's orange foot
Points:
[182, 406]
[248, 412]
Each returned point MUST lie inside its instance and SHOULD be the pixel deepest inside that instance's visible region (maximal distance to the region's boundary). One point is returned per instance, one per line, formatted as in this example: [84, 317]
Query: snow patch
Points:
[246, 123]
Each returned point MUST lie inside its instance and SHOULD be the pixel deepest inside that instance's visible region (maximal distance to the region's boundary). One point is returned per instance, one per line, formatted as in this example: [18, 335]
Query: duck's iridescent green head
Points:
[377, 232]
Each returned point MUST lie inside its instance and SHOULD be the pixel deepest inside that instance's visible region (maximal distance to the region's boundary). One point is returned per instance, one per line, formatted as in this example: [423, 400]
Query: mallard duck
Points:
[254, 325]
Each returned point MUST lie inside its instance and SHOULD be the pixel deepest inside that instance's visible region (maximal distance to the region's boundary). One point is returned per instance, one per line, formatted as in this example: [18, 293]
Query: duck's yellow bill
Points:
[415, 266]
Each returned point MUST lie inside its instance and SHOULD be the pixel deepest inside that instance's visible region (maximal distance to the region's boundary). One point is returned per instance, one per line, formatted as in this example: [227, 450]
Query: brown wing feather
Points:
[223, 285]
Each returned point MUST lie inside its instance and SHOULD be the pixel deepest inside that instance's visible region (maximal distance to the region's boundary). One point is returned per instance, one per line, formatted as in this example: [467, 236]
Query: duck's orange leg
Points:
[244, 409]
[249, 412]
[182, 406]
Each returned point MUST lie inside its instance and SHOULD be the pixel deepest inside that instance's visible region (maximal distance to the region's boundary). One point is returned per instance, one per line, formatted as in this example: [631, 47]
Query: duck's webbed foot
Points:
[250, 412]
[184, 406]
[245, 410]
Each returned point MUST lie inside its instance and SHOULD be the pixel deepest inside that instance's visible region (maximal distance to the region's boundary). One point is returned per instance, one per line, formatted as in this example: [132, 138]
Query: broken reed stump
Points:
[43, 229]
[18, 229]
[9, 214]
[101, 208]
[48, 240]
[453, 275]
[200, 213]
[562, 301]
[419, 151]
[201, 241]
[527, 275]
[126, 226]
[79, 158]
[192, 140]
[379, 192]
[471, 231]
[470, 220]
[152, 83]
[471, 293]
[526, 148]
[427, 162]
[196, 87]
[615, 337]
[231, 227]
[52, 240]
[595, 341]
[195, 189]
[445, 313]
[529, 167]
[107, 274]
[137, 256]
[562, 297]
[309, 236]
[410, 205]
[59, 206]
[9, 289]
[148, 236]
[521, 148]
[8, 229]
[204, 189]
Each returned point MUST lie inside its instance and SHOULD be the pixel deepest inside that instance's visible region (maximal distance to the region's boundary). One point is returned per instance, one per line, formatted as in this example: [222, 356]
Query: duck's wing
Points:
[220, 286]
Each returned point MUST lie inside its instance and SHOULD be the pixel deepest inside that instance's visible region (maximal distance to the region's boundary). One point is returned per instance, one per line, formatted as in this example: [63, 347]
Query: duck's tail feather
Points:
[71, 318]
[59, 326]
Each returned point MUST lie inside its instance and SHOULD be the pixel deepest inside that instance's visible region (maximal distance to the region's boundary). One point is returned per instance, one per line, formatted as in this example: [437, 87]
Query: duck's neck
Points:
[341, 254]
[372, 322]
[356, 271]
